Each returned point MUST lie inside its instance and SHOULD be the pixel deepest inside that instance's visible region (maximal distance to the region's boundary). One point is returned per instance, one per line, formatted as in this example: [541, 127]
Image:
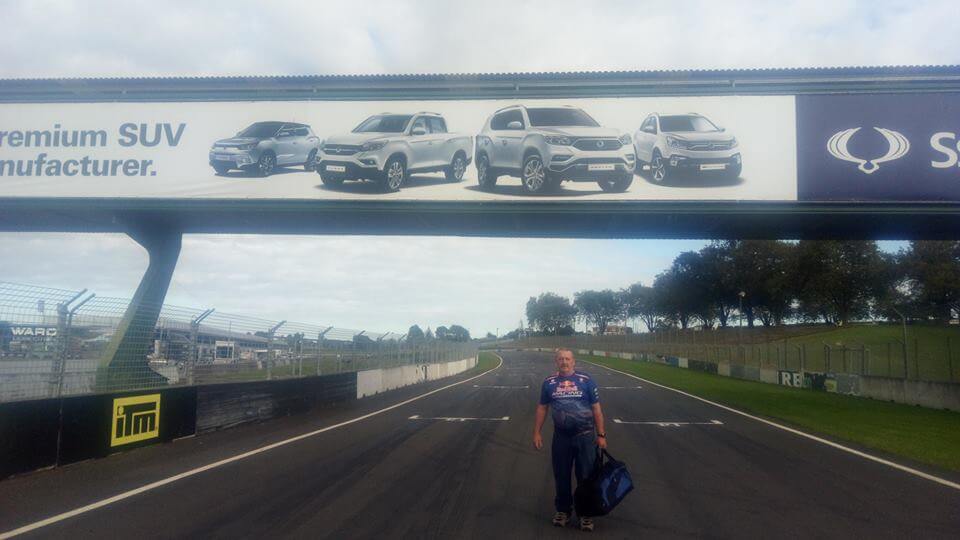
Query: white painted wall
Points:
[374, 381]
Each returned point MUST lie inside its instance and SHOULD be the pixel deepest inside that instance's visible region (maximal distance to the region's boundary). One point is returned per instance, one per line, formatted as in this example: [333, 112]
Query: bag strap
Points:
[598, 462]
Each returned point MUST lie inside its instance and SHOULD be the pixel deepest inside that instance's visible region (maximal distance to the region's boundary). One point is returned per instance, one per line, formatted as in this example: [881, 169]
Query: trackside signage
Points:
[891, 147]
[135, 418]
[826, 147]
[642, 149]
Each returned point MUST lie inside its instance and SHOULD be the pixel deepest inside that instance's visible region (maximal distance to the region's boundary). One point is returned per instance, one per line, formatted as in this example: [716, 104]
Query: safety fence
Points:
[935, 359]
[56, 342]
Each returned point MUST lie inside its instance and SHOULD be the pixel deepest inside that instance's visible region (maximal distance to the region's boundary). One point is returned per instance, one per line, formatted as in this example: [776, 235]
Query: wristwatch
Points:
[602, 435]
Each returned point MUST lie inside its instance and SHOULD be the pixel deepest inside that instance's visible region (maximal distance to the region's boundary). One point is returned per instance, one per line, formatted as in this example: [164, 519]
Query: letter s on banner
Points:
[936, 141]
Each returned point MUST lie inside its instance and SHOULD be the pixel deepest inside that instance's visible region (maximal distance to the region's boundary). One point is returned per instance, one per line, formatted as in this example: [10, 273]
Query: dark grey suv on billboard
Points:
[264, 146]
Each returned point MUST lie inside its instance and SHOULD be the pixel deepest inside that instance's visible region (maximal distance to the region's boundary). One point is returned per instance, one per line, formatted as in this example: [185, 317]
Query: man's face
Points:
[565, 362]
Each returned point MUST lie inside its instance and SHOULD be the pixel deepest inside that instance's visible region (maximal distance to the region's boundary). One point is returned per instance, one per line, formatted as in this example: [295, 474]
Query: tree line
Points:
[771, 283]
[454, 332]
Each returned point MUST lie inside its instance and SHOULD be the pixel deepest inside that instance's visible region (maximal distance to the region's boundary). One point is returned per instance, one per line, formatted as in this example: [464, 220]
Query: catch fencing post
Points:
[67, 313]
[889, 359]
[194, 346]
[916, 358]
[270, 335]
[949, 359]
[320, 339]
[65, 322]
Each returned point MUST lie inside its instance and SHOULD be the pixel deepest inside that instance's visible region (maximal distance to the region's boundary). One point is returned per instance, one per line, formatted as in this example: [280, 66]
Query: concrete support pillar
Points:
[124, 362]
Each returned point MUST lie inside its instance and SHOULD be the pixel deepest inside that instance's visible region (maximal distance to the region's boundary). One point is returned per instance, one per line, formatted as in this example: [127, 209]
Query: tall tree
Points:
[838, 280]
[599, 307]
[676, 301]
[415, 334]
[458, 333]
[932, 269]
[716, 274]
[638, 301]
[550, 313]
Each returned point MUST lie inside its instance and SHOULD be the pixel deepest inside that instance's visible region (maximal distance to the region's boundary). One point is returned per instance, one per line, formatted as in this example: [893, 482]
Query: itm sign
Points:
[135, 418]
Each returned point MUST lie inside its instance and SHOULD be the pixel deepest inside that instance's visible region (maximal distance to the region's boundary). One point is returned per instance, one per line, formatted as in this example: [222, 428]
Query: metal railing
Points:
[56, 342]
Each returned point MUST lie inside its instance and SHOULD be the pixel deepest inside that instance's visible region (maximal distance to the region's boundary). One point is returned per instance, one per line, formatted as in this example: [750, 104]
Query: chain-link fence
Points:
[56, 342]
[929, 358]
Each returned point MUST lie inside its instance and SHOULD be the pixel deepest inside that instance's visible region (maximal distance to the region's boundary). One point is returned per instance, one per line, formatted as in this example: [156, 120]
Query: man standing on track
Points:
[577, 430]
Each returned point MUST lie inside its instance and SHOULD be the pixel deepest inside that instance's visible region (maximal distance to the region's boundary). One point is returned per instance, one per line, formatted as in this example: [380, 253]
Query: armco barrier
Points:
[91, 426]
[748, 373]
[769, 376]
[700, 365]
[936, 395]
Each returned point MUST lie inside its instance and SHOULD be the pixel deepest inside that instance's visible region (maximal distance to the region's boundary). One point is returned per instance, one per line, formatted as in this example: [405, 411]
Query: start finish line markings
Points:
[460, 419]
[669, 424]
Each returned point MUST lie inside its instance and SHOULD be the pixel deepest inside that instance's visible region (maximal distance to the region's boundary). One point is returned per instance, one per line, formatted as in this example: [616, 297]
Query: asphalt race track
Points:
[464, 467]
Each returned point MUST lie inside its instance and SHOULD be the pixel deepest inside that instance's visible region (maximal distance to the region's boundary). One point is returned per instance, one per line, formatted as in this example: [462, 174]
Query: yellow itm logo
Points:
[135, 419]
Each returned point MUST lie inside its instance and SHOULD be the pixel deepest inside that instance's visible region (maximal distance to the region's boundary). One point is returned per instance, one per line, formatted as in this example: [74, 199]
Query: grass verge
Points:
[486, 360]
[924, 435]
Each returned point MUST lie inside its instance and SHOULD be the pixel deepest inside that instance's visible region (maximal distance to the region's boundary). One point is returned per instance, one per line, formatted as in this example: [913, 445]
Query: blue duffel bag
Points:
[603, 490]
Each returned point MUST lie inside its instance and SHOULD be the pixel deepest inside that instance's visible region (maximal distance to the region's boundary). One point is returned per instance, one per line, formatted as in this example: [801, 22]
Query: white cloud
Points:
[245, 37]
[359, 282]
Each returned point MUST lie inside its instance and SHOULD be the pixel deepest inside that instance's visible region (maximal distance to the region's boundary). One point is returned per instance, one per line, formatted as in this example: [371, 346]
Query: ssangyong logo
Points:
[897, 147]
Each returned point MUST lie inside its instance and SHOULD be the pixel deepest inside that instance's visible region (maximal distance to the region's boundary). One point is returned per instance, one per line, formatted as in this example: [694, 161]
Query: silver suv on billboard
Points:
[264, 146]
[386, 148]
[545, 146]
[690, 143]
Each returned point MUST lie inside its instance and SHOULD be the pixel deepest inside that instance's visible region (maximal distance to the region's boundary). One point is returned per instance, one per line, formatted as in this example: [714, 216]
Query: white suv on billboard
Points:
[387, 147]
[544, 146]
[669, 144]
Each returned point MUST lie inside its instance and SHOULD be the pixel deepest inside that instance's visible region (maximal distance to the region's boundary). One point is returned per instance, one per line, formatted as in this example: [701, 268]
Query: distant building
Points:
[614, 330]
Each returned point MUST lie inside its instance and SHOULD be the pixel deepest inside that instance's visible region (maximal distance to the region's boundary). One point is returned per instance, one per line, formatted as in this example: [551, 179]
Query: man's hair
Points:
[556, 352]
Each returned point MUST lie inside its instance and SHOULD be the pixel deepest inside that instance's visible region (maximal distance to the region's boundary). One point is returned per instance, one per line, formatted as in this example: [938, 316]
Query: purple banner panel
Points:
[879, 147]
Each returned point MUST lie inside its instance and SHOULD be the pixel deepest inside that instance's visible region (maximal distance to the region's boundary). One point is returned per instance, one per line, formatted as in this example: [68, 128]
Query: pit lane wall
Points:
[375, 381]
[934, 395]
[44, 433]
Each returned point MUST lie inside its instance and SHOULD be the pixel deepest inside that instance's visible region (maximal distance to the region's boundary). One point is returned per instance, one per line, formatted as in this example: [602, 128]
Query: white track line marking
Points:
[498, 386]
[669, 424]
[458, 419]
[864, 455]
[620, 387]
[192, 472]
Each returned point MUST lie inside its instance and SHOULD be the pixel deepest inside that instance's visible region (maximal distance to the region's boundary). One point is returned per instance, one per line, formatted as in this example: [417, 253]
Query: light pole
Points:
[903, 319]
[741, 294]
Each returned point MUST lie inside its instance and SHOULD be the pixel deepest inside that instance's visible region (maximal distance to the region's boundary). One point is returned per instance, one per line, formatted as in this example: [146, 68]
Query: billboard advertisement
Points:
[709, 148]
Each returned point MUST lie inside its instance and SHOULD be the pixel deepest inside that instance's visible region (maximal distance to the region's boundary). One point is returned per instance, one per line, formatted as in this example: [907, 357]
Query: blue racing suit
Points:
[571, 402]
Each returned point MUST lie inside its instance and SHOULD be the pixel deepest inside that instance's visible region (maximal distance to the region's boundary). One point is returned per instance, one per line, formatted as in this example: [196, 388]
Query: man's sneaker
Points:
[560, 519]
[586, 524]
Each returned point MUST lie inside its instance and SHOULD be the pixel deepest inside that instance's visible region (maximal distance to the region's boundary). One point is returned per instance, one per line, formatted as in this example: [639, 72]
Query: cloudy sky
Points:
[389, 283]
